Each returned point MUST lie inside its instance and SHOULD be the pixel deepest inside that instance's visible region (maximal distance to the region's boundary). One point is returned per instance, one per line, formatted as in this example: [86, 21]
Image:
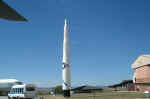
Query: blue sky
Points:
[106, 36]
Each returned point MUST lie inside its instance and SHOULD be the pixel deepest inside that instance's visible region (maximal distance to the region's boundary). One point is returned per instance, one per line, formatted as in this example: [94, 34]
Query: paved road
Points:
[3, 97]
[45, 97]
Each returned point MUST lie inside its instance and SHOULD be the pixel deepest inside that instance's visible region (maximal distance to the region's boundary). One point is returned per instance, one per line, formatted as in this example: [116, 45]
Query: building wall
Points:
[131, 87]
[142, 88]
[142, 74]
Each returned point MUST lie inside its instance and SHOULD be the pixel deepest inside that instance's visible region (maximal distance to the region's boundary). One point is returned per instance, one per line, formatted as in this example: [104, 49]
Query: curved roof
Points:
[141, 61]
[23, 85]
[8, 80]
[18, 86]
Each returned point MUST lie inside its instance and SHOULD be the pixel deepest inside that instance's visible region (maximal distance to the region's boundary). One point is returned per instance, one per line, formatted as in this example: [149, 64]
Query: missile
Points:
[66, 86]
[8, 13]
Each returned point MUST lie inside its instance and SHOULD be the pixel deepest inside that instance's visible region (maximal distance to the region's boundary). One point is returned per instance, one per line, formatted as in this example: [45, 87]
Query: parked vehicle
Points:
[26, 91]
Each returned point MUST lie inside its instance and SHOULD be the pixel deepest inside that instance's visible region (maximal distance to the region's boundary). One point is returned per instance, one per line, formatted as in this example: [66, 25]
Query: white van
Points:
[25, 91]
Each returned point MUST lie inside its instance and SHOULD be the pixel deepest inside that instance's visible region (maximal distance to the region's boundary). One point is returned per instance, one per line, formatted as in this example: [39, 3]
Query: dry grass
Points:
[103, 95]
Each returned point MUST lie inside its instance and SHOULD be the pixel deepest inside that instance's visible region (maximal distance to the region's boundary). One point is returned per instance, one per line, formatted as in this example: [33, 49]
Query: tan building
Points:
[141, 77]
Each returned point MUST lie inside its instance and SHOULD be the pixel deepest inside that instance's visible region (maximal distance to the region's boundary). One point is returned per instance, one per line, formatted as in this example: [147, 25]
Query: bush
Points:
[58, 89]
[41, 92]
[3, 93]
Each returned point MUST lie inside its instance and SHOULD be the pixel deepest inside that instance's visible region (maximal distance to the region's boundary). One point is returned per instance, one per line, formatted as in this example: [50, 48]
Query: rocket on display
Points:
[8, 13]
[66, 86]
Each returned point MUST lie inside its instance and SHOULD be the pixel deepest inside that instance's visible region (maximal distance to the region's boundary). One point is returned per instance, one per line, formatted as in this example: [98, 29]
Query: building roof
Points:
[23, 85]
[8, 80]
[18, 86]
[141, 61]
[124, 82]
[87, 87]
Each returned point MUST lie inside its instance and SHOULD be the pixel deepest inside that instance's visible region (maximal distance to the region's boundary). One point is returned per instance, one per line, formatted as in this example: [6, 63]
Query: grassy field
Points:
[104, 95]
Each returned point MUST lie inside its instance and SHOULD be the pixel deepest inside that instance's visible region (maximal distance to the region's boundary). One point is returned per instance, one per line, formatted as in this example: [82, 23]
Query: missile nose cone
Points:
[65, 21]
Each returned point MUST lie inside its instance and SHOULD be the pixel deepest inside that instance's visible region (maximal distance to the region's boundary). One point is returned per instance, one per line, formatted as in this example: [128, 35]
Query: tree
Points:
[58, 89]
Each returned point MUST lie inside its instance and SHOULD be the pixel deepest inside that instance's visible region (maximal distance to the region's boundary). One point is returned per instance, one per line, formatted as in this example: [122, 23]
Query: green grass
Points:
[104, 95]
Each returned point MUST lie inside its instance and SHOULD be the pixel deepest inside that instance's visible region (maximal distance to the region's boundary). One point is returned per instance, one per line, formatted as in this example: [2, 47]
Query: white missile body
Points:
[66, 86]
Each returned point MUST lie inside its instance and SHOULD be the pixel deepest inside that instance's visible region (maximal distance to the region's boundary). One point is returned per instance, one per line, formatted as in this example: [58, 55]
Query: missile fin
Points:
[8, 13]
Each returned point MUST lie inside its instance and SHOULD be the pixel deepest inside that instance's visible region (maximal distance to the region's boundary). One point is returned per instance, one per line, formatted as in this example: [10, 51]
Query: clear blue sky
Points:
[106, 36]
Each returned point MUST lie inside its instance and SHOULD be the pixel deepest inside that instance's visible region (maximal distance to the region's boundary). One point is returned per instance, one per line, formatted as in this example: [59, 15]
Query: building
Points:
[86, 89]
[125, 85]
[141, 77]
